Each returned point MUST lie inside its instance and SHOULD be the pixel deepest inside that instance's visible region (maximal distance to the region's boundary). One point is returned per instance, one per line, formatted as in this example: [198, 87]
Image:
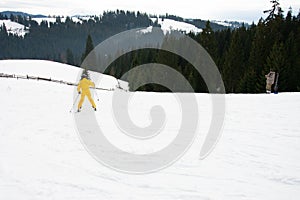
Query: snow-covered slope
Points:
[14, 27]
[63, 19]
[231, 24]
[47, 19]
[41, 156]
[20, 30]
[222, 23]
[168, 25]
[56, 71]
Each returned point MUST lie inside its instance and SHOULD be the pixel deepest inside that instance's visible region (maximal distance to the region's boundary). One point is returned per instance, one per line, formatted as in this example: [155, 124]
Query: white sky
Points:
[240, 10]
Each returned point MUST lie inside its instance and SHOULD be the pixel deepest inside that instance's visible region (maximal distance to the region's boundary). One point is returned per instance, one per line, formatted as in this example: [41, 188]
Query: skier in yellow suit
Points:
[83, 88]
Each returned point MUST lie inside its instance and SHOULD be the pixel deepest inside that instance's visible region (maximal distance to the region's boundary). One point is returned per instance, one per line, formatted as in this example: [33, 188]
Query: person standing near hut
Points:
[270, 81]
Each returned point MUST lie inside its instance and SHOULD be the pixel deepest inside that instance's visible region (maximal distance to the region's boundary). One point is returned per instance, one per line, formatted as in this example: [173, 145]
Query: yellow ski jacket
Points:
[84, 85]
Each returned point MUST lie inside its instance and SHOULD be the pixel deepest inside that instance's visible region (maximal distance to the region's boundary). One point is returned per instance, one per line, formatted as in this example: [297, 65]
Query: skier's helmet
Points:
[84, 76]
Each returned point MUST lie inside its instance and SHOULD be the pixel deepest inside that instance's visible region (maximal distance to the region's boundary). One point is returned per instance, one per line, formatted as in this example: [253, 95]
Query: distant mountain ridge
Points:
[23, 14]
[199, 23]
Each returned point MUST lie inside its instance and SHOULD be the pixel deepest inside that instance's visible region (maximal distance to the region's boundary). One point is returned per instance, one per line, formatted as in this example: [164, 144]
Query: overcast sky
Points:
[240, 10]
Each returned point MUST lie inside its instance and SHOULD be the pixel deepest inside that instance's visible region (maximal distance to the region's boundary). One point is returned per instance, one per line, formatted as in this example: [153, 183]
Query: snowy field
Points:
[42, 157]
[14, 28]
[168, 25]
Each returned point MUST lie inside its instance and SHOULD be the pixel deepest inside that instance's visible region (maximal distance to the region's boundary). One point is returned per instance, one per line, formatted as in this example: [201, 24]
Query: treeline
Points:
[244, 56]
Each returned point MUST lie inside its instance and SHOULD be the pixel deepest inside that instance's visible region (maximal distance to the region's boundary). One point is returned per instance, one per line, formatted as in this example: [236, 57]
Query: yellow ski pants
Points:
[89, 96]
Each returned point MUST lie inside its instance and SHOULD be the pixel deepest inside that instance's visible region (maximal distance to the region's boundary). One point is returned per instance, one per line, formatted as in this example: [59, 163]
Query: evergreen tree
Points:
[70, 57]
[3, 31]
[275, 11]
[136, 77]
[91, 61]
[223, 38]
[208, 41]
[292, 71]
[297, 58]
[88, 47]
[257, 56]
[248, 82]
[4, 42]
[236, 60]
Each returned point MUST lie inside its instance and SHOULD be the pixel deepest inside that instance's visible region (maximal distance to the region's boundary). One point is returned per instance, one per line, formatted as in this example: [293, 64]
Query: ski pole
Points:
[96, 94]
[74, 102]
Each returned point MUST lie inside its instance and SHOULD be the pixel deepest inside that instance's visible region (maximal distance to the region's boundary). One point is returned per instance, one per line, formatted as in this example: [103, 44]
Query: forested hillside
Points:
[64, 40]
[243, 55]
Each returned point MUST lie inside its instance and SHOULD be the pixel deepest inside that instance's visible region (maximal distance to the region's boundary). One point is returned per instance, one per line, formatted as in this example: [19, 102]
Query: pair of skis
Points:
[78, 111]
[76, 101]
[276, 84]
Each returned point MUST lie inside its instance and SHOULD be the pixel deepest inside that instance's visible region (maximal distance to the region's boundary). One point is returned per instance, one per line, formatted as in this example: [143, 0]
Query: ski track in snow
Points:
[41, 156]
